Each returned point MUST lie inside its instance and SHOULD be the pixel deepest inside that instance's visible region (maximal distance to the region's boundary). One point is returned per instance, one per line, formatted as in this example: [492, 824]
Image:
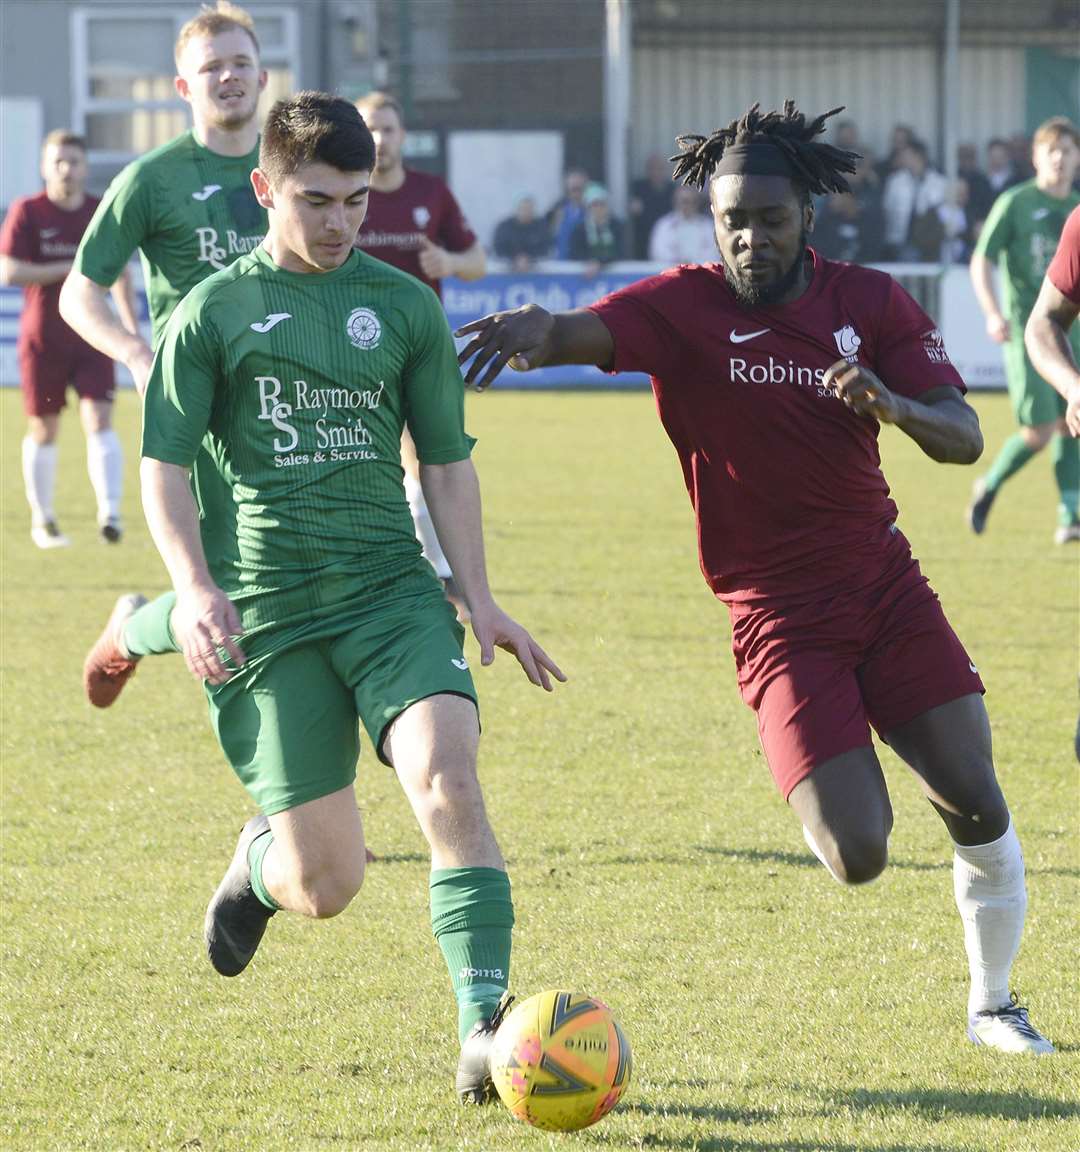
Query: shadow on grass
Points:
[938, 1105]
[930, 1104]
[805, 860]
[741, 1144]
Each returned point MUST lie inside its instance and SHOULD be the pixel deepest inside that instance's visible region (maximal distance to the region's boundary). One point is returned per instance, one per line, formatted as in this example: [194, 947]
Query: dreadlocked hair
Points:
[816, 167]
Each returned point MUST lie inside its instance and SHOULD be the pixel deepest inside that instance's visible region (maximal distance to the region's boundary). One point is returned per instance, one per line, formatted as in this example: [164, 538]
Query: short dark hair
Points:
[314, 126]
[816, 167]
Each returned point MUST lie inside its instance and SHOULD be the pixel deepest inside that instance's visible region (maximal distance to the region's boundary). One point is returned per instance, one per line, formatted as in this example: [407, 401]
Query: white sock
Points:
[39, 477]
[988, 880]
[105, 464]
[425, 530]
[811, 843]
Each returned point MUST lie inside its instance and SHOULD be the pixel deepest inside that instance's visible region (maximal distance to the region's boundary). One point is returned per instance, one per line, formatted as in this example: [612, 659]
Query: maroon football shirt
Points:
[785, 480]
[37, 231]
[397, 221]
[1064, 270]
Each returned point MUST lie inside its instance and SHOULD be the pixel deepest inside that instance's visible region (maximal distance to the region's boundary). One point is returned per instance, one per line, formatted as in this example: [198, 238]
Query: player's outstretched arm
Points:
[940, 421]
[453, 497]
[531, 337]
[84, 307]
[1047, 342]
[204, 621]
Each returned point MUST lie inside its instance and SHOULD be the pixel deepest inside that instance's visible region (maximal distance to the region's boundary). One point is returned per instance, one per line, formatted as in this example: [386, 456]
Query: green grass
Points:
[653, 863]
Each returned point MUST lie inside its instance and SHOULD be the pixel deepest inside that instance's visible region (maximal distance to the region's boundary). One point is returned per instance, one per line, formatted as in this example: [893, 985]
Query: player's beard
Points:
[230, 118]
[751, 295]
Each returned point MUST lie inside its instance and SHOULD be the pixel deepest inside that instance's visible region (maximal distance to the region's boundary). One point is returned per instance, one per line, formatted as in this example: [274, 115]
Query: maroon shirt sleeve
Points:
[17, 235]
[455, 235]
[1064, 270]
[645, 340]
[910, 356]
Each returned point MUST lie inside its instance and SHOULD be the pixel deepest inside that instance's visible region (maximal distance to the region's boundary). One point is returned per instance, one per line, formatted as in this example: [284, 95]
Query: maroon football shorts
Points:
[820, 674]
[46, 371]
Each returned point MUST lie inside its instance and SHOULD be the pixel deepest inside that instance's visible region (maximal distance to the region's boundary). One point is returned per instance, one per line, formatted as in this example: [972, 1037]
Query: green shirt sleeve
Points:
[183, 381]
[433, 387]
[997, 231]
[118, 227]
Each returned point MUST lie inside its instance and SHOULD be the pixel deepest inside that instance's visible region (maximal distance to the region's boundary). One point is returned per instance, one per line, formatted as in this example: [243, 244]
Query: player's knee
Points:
[447, 786]
[859, 859]
[327, 892]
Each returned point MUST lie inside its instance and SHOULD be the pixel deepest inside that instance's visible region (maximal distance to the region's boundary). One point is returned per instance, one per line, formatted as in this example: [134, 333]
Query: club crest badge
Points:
[421, 216]
[848, 342]
[363, 328]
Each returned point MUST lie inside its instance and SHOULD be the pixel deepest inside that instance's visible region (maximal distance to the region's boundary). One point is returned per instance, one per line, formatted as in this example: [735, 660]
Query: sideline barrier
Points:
[946, 294]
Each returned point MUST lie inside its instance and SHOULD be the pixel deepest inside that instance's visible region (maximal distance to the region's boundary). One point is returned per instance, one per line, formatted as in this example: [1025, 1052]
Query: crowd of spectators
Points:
[901, 208]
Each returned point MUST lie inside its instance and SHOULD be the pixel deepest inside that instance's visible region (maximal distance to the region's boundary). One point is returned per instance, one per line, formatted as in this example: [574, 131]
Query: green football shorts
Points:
[289, 727]
[1033, 401]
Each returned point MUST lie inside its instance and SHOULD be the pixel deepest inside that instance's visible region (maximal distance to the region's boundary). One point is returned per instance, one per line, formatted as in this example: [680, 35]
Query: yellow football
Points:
[560, 1061]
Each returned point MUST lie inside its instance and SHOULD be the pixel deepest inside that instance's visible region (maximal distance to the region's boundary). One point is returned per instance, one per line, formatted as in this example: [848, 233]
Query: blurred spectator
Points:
[1020, 149]
[598, 239]
[1000, 169]
[980, 195]
[650, 198]
[850, 226]
[845, 134]
[566, 214]
[523, 237]
[684, 235]
[957, 243]
[902, 135]
[913, 193]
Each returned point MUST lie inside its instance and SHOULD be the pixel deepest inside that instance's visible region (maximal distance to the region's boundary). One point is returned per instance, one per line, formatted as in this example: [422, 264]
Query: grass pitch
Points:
[653, 863]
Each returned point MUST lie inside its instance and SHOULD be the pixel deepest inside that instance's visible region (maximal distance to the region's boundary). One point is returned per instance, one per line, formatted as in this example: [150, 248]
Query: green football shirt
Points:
[298, 386]
[189, 212]
[1021, 235]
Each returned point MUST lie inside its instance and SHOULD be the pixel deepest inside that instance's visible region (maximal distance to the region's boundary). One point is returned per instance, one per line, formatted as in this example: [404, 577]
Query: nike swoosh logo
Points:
[49, 233]
[1040, 213]
[462, 665]
[207, 192]
[270, 321]
[741, 337]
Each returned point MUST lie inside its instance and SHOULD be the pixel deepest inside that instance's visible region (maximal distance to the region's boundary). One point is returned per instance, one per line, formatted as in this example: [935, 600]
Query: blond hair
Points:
[211, 21]
[62, 138]
[1049, 130]
[374, 101]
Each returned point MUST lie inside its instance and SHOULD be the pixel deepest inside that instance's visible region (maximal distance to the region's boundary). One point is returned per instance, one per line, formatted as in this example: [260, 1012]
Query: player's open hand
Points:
[494, 629]
[862, 392]
[205, 623]
[518, 338]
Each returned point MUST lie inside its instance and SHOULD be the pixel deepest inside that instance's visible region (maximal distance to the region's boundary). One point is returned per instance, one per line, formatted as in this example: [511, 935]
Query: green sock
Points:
[1013, 456]
[1065, 453]
[472, 915]
[256, 851]
[147, 631]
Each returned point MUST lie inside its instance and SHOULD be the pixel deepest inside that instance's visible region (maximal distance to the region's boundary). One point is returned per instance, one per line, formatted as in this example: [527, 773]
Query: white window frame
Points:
[83, 104]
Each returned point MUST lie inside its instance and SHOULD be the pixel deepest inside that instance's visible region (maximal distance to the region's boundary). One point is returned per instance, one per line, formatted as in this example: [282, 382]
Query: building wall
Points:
[698, 89]
[37, 55]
